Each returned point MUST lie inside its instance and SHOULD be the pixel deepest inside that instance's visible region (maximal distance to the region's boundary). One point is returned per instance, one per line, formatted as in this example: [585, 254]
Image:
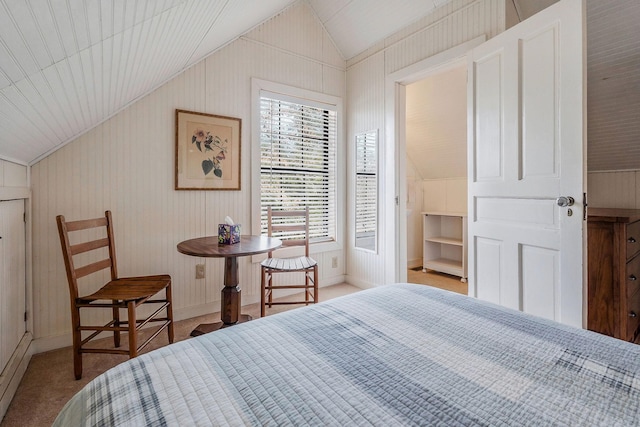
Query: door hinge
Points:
[584, 206]
[24, 217]
[397, 200]
[25, 316]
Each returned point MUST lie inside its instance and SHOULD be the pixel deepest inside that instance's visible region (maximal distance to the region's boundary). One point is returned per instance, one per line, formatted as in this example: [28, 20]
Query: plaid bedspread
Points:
[394, 355]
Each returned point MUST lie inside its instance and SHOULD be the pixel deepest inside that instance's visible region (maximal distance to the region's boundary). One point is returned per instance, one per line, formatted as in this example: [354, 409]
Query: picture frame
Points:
[207, 151]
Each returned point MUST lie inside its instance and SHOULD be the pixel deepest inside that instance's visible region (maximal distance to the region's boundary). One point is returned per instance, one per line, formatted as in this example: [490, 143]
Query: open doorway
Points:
[436, 174]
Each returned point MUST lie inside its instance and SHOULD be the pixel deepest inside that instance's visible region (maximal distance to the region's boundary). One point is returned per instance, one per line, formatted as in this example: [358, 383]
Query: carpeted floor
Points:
[49, 382]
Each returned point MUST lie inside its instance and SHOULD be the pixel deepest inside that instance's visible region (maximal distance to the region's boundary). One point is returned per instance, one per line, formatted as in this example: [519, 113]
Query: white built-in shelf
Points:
[445, 265]
[445, 248]
[445, 240]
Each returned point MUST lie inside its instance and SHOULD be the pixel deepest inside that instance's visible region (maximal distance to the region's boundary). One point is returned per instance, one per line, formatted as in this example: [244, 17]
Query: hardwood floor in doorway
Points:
[438, 280]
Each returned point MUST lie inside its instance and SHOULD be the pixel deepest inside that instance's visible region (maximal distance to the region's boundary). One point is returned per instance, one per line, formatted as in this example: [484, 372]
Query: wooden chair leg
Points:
[116, 323]
[77, 344]
[262, 290]
[133, 334]
[306, 288]
[315, 283]
[169, 313]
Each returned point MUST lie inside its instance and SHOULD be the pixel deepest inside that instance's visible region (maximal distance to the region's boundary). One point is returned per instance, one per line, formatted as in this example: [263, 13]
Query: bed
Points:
[399, 354]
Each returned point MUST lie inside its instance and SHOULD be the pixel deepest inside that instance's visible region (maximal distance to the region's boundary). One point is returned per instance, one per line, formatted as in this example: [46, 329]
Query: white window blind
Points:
[366, 184]
[298, 161]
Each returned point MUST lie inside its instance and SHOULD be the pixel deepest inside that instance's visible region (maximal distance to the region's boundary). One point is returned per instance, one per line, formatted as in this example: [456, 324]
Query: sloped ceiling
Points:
[68, 65]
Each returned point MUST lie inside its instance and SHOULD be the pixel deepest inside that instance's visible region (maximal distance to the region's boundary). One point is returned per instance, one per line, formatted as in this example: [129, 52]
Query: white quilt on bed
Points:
[394, 355]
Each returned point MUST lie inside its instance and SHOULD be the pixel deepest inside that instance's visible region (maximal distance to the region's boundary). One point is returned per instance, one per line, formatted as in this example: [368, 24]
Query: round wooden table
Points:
[209, 247]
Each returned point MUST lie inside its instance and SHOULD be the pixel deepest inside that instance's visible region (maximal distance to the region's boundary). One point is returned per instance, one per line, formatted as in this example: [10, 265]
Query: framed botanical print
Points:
[207, 151]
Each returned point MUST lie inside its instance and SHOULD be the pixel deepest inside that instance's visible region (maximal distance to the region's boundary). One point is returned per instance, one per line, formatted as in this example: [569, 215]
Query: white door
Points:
[12, 278]
[526, 149]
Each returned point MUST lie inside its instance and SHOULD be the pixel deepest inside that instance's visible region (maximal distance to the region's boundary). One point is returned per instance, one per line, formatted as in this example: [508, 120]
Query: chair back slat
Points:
[92, 268]
[283, 214]
[294, 242]
[283, 227]
[89, 246]
[85, 224]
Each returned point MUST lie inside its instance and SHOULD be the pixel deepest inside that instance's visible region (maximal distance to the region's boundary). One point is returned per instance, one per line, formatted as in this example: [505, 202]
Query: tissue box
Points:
[228, 234]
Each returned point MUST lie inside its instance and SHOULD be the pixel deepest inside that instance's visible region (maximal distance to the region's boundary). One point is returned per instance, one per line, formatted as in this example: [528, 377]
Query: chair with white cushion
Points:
[279, 223]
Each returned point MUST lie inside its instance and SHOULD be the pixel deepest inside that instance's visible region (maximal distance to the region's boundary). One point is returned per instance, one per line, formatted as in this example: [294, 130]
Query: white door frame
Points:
[394, 182]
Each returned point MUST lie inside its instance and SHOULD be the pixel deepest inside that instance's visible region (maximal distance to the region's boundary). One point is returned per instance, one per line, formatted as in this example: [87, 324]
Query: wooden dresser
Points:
[614, 272]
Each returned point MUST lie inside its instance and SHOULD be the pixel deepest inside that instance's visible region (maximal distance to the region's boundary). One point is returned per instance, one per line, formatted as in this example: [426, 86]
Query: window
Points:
[298, 161]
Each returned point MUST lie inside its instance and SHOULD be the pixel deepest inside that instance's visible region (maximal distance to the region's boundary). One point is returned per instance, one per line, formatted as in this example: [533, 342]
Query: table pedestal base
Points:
[205, 328]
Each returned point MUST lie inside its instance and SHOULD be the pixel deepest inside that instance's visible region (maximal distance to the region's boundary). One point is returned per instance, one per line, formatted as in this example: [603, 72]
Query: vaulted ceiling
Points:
[68, 65]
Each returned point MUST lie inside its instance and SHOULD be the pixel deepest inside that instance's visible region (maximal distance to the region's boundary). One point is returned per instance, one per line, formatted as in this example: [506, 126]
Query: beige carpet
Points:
[49, 382]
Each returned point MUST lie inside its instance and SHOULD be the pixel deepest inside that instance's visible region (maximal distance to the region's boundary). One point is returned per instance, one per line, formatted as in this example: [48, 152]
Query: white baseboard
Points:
[52, 343]
[14, 371]
[413, 263]
[362, 284]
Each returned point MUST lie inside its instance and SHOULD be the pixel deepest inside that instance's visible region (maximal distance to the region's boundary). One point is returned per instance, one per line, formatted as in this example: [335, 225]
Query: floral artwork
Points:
[207, 151]
[205, 140]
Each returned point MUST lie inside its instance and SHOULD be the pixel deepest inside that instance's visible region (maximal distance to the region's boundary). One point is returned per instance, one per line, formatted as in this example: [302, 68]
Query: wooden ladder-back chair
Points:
[289, 221]
[119, 293]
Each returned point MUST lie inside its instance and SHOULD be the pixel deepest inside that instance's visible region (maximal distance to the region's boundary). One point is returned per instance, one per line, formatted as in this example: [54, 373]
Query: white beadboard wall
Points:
[448, 26]
[614, 189]
[127, 165]
[13, 174]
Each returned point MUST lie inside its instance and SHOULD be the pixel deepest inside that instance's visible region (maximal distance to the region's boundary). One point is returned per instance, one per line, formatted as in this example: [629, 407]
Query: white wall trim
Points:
[13, 193]
[358, 282]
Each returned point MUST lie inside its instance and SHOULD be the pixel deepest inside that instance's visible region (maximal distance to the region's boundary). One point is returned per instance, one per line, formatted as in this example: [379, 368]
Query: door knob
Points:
[563, 201]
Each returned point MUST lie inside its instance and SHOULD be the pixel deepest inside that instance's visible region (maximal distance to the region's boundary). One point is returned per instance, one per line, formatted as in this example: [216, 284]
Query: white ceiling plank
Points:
[4, 79]
[119, 16]
[41, 85]
[43, 15]
[106, 17]
[78, 13]
[74, 89]
[30, 32]
[94, 21]
[54, 81]
[39, 112]
[64, 26]
[9, 67]
[86, 67]
[15, 45]
[32, 133]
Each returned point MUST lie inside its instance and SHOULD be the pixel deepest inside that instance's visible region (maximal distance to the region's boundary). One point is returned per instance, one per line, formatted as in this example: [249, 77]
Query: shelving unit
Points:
[445, 246]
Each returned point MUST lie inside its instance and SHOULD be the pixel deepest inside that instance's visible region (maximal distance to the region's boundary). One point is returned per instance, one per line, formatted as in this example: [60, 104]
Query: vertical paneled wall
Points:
[127, 165]
[13, 174]
[614, 189]
[448, 26]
